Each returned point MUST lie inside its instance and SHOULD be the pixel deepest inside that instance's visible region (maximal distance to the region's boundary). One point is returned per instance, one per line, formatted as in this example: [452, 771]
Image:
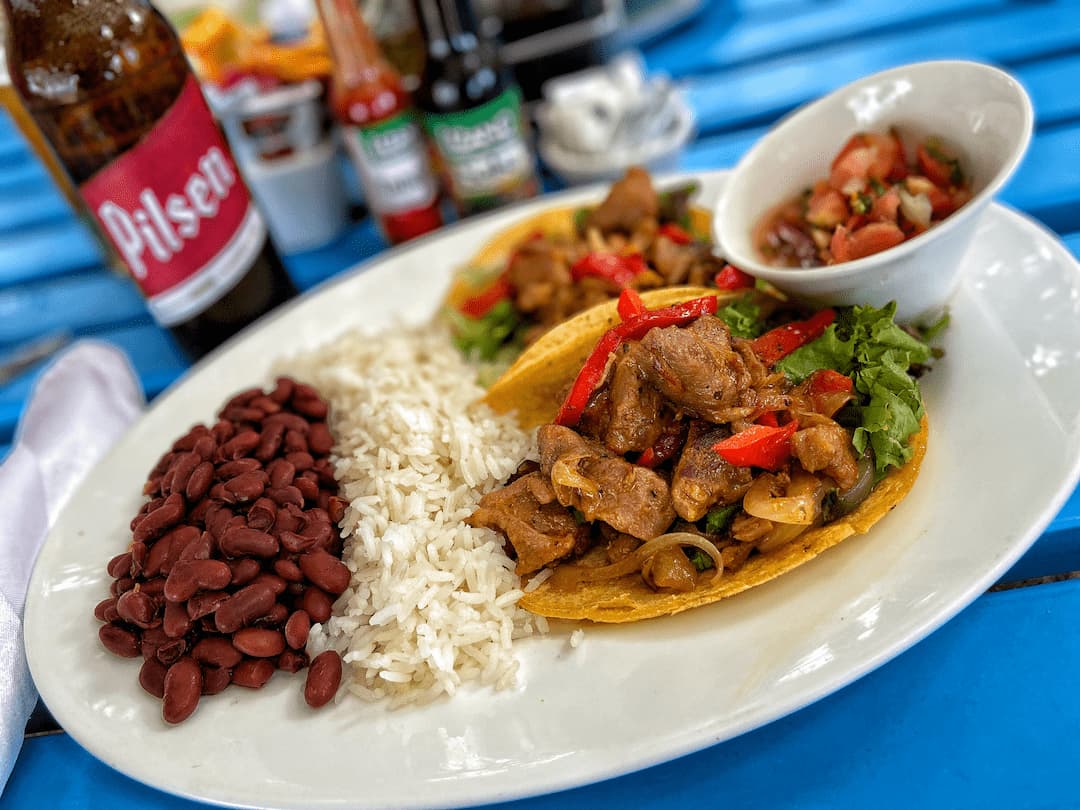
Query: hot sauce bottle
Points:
[472, 111]
[380, 127]
[109, 88]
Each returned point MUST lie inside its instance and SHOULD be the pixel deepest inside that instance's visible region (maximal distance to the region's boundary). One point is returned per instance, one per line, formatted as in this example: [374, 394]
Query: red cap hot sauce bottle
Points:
[108, 85]
[472, 111]
[380, 127]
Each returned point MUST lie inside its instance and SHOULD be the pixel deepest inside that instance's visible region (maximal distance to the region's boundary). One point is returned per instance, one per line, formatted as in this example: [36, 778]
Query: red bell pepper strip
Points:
[783, 340]
[634, 329]
[676, 233]
[480, 304]
[827, 381]
[616, 268]
[768, 419]
[759, 446]
[630, 304]
[647, 458]
[731, 277]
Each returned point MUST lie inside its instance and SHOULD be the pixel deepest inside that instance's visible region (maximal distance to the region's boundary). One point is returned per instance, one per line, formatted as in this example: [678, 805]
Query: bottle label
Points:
[392, 161]
[177, 211]
[484, 149]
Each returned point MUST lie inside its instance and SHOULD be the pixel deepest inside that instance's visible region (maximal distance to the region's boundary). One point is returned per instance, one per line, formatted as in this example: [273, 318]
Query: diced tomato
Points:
[899, 168]
[758, 446]
[479, 305]
[630, 304]
[731, 277]
[885, 206]
[826, 208]
[778, 343]
[676, 234]
[867, 240]
[866, 155]
[825, 381]
[939, 171]
[855, 221]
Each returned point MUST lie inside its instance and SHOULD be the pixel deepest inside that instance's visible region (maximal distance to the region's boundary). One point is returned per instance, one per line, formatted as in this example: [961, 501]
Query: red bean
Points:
[292, 661]
[216, 651]
[102, 606]
[244, 570]
[253, 673]
[120, 565]
[261, 515]
[198, 483]
[182, 688]
[119, 641]
[169, 652]
[323, 679]
[239, 445]
[205, 603]
[281, 473]
[246, 605]
[317, 604]
[152, 677]
[215, 679]
[312, 407]
[288, 570]
[151, 640]
[336, 508]
[164, 517]
[320, 441]
[241, 541]
[137, 608]
[325, 571]
[282, 390]
[259, 642]
[296, 630]
[176, 622]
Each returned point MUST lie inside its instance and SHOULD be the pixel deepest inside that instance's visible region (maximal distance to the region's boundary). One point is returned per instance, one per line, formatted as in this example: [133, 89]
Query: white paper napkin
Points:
[79, 406]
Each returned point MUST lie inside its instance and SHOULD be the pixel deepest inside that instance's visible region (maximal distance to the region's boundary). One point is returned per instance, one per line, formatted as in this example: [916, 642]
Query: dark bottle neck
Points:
[448, 26]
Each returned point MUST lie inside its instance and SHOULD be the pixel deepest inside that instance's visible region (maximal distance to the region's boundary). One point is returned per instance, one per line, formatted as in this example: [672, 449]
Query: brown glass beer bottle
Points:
[108, 85]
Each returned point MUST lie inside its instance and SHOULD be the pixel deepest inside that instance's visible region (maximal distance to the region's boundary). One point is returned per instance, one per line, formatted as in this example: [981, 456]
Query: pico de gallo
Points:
[873, 199]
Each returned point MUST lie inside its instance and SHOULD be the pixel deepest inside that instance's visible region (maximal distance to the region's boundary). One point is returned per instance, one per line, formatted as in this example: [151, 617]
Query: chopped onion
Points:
[564, 473]
[781, 534]
[799, 505]
[916, 207]
[634, 561]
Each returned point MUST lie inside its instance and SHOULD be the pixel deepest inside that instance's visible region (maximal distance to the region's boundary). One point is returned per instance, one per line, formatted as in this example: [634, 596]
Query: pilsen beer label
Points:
[177, 211]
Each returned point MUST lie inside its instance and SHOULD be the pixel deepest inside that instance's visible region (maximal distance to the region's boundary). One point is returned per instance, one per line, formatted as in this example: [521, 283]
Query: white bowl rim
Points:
[806, 112]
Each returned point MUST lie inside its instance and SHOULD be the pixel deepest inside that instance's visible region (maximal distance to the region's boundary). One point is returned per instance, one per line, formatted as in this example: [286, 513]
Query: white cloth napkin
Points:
[78, 408]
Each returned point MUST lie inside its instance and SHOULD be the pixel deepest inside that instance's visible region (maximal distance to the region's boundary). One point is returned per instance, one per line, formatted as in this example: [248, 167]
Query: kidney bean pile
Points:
[234, 556]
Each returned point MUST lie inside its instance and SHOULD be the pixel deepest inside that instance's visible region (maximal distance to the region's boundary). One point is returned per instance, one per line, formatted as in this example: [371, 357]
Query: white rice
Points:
[433, 602]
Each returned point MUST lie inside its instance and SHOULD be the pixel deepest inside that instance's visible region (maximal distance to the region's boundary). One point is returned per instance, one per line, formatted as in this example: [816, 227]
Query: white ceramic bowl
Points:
[980, 111]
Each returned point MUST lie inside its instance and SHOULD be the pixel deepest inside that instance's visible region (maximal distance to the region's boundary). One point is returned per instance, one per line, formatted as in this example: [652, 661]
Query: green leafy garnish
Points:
[579, 516]
[877, 186]
[862, 204]
[581, 217]
[928, 332]
[868, 346]
[717, 518]
[700, 560]
[743, 318]
[936, 150]
[483, 338]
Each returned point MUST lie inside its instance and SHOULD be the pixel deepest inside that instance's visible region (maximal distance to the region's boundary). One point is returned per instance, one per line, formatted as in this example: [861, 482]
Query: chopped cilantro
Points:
[862, 203]
[877, 186]
[937, 151]
[867, 345]
[581, 216]
[717, 518]
[700, 560]
[743, 318]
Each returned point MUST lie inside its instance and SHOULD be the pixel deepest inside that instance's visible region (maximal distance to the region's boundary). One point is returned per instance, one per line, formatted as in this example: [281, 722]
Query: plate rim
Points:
[684, 743]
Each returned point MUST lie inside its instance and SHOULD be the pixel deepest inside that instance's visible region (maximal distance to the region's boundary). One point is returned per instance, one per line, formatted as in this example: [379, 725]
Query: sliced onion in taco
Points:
[698, 447]
[547, 268]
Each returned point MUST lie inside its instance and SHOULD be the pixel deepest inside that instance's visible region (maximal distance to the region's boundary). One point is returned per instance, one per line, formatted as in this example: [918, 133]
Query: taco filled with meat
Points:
[547, 268]
[691, 449]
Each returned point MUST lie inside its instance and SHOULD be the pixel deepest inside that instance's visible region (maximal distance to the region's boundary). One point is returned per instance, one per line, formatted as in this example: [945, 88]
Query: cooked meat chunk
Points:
[669, 568]
[702, 478]
[537, 526]
[537, 272]
[750, 529]
[672, 261]
[597, 414]
[621, 546]
[698, 369]
[635, 409]
[630, 200]
[586, 476]
[826, 447]
[735, 555]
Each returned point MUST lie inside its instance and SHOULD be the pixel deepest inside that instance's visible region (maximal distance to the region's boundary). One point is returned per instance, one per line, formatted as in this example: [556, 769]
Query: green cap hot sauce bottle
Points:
[471, 111]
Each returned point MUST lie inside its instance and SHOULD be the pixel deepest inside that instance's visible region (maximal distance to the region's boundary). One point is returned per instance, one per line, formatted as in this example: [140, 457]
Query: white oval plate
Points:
[1003, 455]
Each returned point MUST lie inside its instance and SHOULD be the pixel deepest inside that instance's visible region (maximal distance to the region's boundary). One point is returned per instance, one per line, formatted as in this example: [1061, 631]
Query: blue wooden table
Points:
[984, 713]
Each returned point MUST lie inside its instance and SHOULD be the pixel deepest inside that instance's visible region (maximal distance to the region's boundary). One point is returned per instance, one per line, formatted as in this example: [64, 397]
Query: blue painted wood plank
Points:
[1023, 32]
[723, 101]
[39, 206]
[983, 713]
[50, 250]
[23, 178]
[732, 37]
[82, 303]
[358, 243]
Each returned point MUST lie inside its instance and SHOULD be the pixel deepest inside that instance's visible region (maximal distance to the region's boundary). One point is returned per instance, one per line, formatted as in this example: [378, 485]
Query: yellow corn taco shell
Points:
[534, 387]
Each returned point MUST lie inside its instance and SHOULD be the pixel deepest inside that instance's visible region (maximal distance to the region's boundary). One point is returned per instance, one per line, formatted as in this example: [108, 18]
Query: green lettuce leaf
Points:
[867, 345]
[484, 338]
[743, 318]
